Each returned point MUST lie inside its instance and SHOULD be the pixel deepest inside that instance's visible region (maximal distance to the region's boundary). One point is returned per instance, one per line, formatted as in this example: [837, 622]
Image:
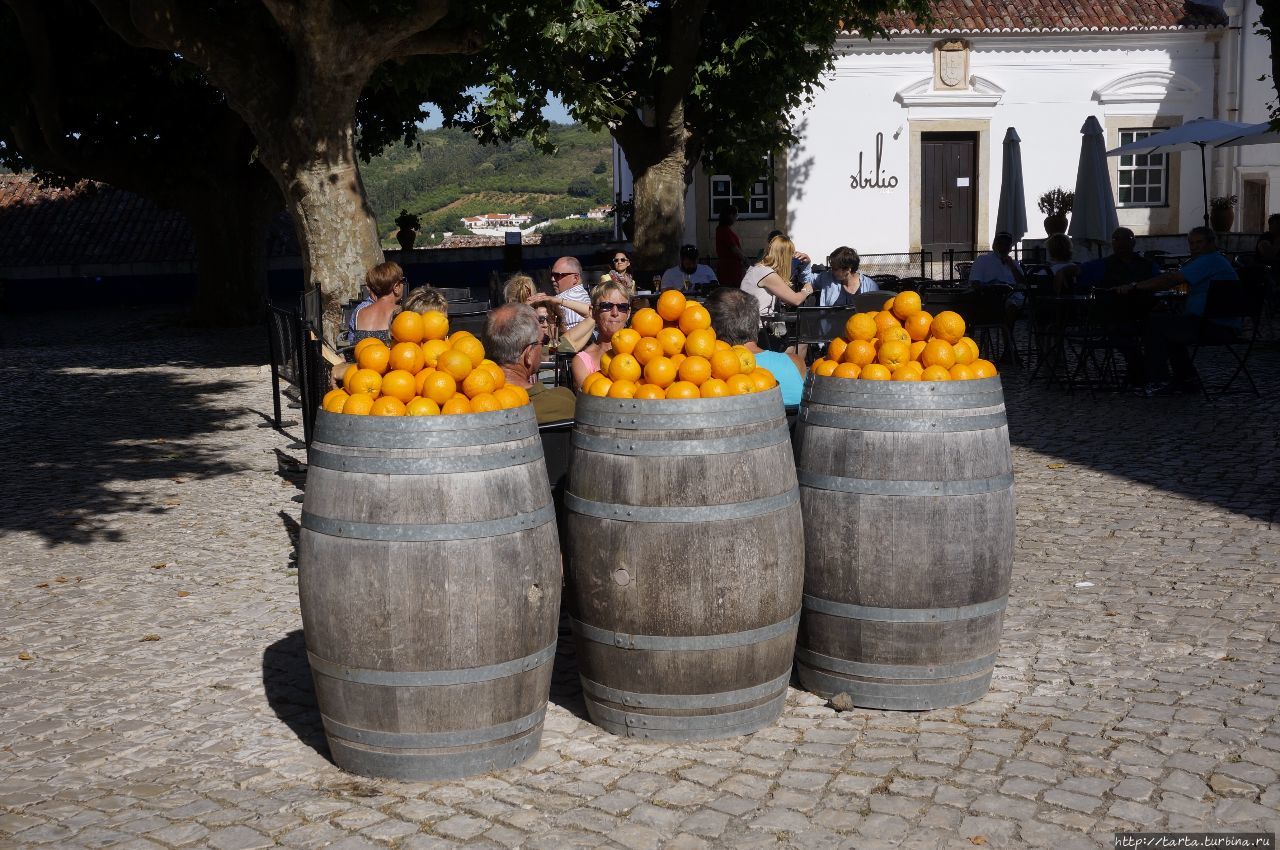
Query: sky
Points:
[555, 112]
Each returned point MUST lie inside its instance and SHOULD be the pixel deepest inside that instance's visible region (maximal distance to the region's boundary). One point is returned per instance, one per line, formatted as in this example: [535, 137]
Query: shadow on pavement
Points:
[286, 678]
[566, 689]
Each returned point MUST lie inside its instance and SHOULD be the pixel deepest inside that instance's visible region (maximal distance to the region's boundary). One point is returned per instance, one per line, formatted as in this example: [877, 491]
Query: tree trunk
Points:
[230, 230]
[659, 213]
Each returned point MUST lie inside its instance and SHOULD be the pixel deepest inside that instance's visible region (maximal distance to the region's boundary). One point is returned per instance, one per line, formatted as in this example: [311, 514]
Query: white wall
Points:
[1043, 85]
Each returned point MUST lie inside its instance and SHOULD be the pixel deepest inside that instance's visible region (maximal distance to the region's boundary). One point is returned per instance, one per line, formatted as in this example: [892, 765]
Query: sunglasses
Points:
[558, 275]
[617, 260]
[542, 320]
[609, 306]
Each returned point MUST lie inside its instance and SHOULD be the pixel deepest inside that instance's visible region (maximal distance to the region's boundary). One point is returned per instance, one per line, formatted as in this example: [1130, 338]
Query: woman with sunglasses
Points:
[611, 309]
[549, 325]
[620, 273]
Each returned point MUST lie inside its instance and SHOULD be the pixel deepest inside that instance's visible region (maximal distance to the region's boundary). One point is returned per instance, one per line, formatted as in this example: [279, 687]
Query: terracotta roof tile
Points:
[965, 16]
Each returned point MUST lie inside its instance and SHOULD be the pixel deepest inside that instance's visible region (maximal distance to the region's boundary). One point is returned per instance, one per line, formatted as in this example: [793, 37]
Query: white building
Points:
[901, 150]
[495, 224]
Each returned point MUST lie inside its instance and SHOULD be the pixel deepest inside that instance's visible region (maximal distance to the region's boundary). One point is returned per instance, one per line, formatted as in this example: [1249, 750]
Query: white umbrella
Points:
[1197, 133]
[1093, 214]
[1254, 134]
[1011, 216]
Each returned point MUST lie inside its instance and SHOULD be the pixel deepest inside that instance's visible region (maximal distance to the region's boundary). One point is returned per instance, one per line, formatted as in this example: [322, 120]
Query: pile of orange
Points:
[902, 342]
[426, 372]
[672, 352]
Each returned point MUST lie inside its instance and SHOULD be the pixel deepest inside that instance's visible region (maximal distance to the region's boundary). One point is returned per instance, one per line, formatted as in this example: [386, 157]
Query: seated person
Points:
[1268, 246]
[764, 281]
[425, 298]
[736, 317]
[801, 265]
[385, 282]
[998, 264]
[689, 274]
[518, 289]
[842, 281]
[1065, 272]
[611, 309]
[1167, 335]
[513, 339]
[1123, 267]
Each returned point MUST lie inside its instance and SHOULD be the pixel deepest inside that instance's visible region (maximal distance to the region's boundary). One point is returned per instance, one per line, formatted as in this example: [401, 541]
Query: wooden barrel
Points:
[907, 491]
[429, 574]
[685, 563]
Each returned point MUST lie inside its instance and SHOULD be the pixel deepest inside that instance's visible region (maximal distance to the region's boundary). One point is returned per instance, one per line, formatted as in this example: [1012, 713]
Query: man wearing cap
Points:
[689, 274]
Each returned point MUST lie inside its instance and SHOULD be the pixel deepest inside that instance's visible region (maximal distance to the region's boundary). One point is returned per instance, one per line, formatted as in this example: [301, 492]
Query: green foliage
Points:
[446, 175]
[1056, 201]
[578, 225]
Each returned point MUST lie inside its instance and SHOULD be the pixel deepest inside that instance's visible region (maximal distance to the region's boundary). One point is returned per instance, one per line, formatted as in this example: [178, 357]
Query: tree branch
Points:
[439, 41]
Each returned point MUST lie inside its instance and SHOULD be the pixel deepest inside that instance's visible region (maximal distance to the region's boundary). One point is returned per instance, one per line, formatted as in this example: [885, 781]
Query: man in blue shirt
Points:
[1167, 336]
[736, 317]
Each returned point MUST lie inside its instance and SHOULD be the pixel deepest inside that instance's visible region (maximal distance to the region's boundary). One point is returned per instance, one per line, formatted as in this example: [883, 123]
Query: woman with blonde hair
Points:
[426, 298]
[769, 280]
[518, 289]
[611, 310]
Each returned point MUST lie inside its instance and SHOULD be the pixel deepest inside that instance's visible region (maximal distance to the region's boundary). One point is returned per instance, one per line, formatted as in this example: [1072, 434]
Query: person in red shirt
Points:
[731, 265]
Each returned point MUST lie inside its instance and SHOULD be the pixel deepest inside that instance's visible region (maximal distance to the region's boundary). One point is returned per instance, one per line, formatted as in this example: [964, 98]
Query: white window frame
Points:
[758, 205]
[1144, 163]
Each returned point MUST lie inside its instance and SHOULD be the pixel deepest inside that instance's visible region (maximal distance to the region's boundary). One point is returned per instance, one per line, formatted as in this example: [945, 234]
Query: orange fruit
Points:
[973, 348]
[660, 371]
[334, 399]
[374, 357]
[695, 318]
[983, 369]
[935, 373]
[623, 388]
[348, 375]
[948, 325]
[676, 359]
[725, 363]
[916, 348]
[671, 304]
[366, 381]
[359, 404]
[888, 305]
[606, 360]
[400, 385]
[905, 373]
[835, 350]
[694, 370]
[764, 379]
[683, 389]
[860, 326]
[485, 403]
[961, 372]
[439, 386]
[918, 325]
[407, 356]
[740, 384]
[508, 397]
[876, 372]
[646, 321]
[625, 367]
[471, 347]
[860, 352]
[647, 349]
[624, 341]
[387, 405]
[456, 404]
[938, 353]
[885, 319]
[650, 391]
[894, 334]
[407, 326]
[713, 388]
[826, 368]
[914, 366]
[746, 360]
[846, 370]
[721, 345]
[499, 376]
[435, 325]
[456, 363]
[893, 354]
[478, 382]
[432, 349]
[672, 339]
[600, 388]
[589, 380]
[519, 391]
[365, 343]
[964, 354]
[700, 343]
[905, 305]
[419, 406]
[457, 335]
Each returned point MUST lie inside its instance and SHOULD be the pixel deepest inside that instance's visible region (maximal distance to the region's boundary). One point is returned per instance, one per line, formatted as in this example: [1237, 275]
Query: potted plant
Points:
[1222, 213]
[408, 224]
[1055, 204]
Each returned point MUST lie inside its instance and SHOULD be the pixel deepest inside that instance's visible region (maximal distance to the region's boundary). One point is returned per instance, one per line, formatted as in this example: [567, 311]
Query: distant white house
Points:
[495, 224]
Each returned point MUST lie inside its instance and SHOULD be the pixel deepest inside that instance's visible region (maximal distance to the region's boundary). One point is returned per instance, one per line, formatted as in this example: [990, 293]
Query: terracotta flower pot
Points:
[406, 238]
[1055, 224]
[1221, 219]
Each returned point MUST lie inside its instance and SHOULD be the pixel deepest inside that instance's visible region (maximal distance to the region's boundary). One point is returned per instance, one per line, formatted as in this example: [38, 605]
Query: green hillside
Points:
[451, 176]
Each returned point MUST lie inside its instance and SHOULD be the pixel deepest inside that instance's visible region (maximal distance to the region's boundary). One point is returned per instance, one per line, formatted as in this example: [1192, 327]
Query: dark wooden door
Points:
[948, 185]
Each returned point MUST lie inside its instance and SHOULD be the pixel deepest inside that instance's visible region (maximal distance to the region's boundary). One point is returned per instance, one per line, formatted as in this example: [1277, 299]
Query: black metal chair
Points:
[1231, 303]
[815, 326]
[987, 317]
[865, 301]
[294, 349]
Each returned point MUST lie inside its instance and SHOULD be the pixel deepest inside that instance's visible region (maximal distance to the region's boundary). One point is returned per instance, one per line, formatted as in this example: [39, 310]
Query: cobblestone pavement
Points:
[153, 693]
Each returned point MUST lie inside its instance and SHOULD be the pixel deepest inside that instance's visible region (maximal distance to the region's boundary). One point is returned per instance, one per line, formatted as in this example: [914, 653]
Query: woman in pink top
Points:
[611, 309]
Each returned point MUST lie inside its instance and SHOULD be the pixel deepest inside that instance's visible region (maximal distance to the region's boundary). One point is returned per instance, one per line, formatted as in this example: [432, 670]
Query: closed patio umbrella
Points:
[1093, 214]
[1011, 215]
[1197, 133]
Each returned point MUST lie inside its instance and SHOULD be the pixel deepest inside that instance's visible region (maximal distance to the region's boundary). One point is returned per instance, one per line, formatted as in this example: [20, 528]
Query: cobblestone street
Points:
[154, 689]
